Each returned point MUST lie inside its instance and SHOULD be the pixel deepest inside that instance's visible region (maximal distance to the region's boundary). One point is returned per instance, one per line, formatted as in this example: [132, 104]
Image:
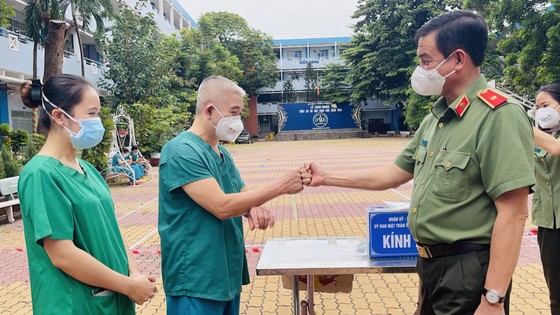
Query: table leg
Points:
[310, 293]
[295, 293]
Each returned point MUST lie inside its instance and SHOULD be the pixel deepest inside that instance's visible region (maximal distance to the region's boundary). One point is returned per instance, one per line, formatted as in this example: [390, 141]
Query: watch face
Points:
[492, 297]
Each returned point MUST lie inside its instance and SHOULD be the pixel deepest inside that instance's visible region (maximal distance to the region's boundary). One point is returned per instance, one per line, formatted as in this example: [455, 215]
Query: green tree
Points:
[88, 11]
[38, 13]
[5, 13]
[333, 85]
[19, 138]
[310, 82]
[158, 125]
[531, 48]
[288, 92]
[252, 48]
[381, 52]
[11, 167]
[136, 61]
[200, 58]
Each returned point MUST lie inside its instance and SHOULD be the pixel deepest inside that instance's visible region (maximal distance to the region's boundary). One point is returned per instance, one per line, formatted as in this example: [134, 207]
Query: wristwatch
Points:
[493, 297]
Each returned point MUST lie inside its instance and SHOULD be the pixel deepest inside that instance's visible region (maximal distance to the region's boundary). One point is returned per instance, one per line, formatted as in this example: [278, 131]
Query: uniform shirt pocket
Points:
[451, 176]
[420, 158]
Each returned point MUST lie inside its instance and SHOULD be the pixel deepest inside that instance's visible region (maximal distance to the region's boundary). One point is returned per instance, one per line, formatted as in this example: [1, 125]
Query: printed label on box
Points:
[388, 233]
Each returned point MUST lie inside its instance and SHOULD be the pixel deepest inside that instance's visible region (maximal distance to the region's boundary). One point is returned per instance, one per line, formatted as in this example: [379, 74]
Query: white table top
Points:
[326, 255]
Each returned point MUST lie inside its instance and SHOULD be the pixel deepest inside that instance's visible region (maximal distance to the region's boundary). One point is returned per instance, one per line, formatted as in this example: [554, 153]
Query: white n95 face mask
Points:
[228, 128]
[429, 82]
[547, 117]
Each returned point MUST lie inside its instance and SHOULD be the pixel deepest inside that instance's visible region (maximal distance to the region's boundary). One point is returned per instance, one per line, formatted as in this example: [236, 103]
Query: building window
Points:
[323, 53]
[22, 120]
[297, 54]
[294, 76]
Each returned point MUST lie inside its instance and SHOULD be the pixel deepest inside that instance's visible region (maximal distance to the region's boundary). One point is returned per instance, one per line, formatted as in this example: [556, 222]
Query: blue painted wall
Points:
[4, 114]
[316, 116]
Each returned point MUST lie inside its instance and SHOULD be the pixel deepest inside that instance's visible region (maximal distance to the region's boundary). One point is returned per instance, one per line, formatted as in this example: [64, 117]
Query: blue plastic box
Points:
[387, 232]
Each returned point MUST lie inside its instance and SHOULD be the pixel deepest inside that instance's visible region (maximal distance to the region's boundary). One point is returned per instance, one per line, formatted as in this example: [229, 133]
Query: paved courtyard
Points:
[316, 212]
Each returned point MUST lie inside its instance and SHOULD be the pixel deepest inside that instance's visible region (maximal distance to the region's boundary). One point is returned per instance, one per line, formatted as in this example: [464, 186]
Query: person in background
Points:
[121, 164]
[137, 162]
[78, 261]
[202, 199]
[546, 197]
[471, 176]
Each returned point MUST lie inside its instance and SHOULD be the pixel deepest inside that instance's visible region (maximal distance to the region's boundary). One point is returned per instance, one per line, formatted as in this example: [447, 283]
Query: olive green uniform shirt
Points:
[546, 208]
[462, 163]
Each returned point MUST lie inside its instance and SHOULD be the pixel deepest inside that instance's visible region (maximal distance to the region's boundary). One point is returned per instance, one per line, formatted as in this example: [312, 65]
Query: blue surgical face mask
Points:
[91, 129]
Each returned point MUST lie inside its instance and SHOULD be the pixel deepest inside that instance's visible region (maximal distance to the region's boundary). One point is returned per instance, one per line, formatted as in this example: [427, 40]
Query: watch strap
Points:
[500, 300]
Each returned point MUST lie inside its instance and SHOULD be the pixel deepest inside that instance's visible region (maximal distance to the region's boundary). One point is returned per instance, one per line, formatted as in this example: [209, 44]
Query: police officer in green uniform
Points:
[471, 161]
[546, 205]
[201, 200]
[78, 262]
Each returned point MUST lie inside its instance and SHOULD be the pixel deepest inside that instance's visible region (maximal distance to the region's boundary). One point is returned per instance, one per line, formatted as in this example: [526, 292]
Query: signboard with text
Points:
[316, 116]
[388, 233]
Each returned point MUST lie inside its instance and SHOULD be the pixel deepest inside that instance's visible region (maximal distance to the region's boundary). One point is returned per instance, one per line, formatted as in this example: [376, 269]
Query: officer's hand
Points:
[259, 218]
[142, 289]
[317, 177]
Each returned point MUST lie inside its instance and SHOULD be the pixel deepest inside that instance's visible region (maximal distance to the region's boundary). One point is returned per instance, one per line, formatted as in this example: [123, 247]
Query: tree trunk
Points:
[54, 48]
[35, 60]
[77, 29]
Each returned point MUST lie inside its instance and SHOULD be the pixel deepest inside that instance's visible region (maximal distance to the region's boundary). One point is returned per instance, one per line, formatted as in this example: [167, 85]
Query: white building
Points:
[16, 51]
[293, 55]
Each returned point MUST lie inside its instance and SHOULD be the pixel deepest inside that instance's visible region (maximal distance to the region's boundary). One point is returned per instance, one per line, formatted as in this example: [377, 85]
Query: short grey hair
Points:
[215, 89]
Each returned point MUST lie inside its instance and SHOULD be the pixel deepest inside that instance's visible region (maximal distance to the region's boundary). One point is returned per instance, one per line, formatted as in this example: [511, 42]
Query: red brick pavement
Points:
[316, 212]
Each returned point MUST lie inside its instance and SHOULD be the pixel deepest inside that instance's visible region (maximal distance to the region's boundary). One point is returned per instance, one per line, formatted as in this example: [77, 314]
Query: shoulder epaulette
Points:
[492, 97]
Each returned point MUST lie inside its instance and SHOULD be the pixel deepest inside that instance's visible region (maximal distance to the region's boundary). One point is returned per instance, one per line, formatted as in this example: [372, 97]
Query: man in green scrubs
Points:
[471, 161]
[201, 200]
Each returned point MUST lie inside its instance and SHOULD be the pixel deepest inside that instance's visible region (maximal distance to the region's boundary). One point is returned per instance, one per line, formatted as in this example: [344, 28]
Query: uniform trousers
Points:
[549, 244]
[452, 285]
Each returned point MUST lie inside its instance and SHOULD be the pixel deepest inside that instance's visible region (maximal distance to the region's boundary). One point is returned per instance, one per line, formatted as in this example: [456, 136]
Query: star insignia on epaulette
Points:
[462, 106]
[492, 98]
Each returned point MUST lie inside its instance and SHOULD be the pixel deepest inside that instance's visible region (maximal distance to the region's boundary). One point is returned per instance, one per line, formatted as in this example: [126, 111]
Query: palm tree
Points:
[88, 10]
[38, 13]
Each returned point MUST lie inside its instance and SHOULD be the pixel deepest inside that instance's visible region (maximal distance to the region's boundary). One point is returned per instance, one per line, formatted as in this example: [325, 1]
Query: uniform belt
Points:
[442, 250]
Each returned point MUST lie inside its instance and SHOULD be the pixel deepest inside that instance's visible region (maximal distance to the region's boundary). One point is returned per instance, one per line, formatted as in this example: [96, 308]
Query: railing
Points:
[523, 101]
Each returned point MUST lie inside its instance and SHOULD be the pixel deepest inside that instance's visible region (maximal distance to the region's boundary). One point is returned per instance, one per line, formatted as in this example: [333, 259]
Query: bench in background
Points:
[8, 190]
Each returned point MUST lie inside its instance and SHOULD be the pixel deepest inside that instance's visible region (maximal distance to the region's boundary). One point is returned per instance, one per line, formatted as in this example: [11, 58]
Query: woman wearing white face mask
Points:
[78, 262]
[546, 205]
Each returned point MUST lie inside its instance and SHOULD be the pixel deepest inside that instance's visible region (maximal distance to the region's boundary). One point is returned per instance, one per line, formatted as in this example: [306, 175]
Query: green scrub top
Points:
[463, 157]
[202, 256]
[116, 157]
[546, 198]
[135, 156]
[59, 202]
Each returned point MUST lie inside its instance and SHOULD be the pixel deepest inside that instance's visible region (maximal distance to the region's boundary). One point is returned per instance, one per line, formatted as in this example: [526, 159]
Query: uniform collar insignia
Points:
[462, 106]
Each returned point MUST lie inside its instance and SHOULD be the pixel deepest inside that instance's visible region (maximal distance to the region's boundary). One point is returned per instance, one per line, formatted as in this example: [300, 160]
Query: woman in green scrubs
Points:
[546, 198]
[78, 261]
